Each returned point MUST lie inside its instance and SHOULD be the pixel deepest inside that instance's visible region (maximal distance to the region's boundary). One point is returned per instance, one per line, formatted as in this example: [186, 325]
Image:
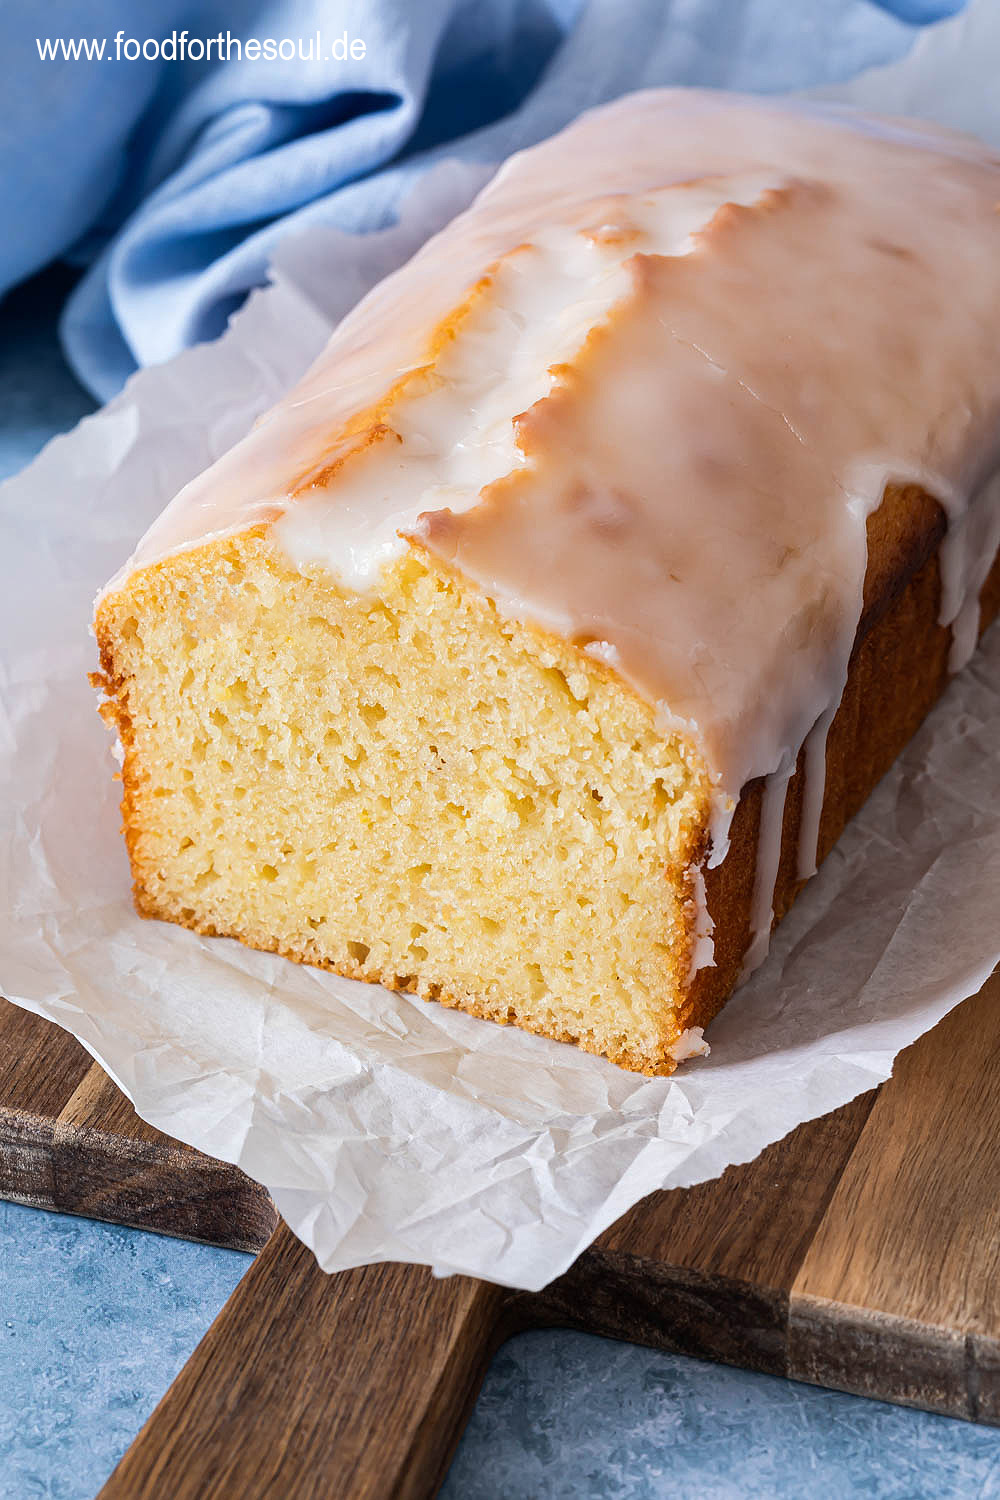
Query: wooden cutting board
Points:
[862, 1252]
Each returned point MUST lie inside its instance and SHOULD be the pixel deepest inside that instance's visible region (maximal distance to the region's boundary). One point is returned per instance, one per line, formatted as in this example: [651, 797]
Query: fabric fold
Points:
[173, 181]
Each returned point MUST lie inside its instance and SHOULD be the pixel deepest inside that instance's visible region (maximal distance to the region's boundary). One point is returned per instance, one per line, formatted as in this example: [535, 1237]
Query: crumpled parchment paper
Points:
[387, 1128]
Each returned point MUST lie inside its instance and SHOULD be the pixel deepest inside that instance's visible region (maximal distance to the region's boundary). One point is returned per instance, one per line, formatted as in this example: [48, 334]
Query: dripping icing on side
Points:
[766, 871]
[690, 1043]
[814, 776]
[967, 554]
[694, 347]
[703, 946]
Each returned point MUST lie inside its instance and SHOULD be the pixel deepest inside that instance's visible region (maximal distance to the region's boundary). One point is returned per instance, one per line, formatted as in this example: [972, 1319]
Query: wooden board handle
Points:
[308, 1385]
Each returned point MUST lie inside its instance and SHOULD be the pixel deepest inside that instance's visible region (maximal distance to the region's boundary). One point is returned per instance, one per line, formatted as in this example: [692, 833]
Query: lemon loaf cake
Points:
[532, 651]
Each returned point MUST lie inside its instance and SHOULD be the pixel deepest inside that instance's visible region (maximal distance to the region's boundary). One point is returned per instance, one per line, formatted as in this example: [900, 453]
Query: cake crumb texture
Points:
[407, 789]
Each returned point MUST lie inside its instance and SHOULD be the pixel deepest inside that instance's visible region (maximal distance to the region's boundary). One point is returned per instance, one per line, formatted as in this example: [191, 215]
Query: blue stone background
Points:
[96, 1320]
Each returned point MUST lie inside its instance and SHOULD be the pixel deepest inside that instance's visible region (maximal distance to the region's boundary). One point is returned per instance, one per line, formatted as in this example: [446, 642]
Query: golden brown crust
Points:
[898, 671]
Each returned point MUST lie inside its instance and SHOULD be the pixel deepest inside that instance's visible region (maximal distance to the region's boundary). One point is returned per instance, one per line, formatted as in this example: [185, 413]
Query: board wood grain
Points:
[861, 1252]
[898, 1294]
[70, 1141]
[363, 1381]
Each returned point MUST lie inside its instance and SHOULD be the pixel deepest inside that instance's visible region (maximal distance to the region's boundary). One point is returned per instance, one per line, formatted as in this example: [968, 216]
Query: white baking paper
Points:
[385, 1127]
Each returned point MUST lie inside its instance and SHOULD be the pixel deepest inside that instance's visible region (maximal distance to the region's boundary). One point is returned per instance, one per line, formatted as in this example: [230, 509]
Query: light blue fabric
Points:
[172, 181]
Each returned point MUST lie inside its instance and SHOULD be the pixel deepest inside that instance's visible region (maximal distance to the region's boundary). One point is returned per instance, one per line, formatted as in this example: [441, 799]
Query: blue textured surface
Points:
[95, 1320]
[568, 1416]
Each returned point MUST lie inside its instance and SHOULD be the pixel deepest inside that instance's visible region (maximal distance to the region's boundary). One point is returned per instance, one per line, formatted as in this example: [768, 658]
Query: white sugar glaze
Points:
[646, 393]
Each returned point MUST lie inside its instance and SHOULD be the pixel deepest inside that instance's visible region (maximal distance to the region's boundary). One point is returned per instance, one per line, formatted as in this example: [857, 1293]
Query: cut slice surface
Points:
[407, 788]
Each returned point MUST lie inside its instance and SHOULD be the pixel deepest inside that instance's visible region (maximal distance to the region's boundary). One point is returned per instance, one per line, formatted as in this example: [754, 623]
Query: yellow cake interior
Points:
[407, 788]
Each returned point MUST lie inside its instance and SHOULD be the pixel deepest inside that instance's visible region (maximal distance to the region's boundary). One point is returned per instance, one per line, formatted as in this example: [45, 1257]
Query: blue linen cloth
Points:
[171, 180]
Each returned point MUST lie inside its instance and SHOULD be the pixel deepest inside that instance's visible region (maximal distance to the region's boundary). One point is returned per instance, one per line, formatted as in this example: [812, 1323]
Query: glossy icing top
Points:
[647, 390]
